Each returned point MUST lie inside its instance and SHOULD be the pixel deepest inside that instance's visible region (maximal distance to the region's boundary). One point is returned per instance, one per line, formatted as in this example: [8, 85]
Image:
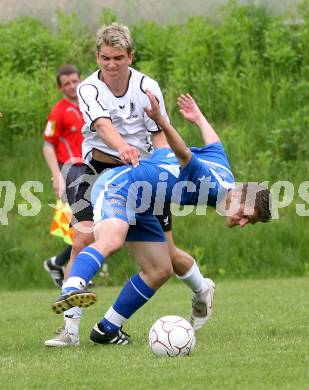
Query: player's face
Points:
[240, 218]
[68, 85]
[114, 63]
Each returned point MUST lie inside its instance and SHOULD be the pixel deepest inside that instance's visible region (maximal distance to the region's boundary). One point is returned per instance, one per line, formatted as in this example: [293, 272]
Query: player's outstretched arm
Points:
[191, 112]
[175, 141]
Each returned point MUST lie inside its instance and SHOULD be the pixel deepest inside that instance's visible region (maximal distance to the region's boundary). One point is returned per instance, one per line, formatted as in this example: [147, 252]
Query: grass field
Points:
[257, 339]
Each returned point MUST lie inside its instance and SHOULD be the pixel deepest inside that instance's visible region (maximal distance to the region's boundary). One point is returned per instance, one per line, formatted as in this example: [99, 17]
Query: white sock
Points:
[115, 318]
[75, 283]
[72, 319]
[194, 280]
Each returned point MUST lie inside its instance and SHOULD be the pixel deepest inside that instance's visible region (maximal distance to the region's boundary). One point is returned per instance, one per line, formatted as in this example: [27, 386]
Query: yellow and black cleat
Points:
[79, 298]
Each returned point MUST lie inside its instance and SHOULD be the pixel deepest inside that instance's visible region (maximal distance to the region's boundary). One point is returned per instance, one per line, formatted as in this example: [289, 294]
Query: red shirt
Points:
[63, 130]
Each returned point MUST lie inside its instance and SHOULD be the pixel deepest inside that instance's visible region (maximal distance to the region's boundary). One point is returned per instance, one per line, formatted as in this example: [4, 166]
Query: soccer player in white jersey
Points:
[117, 131]
[118, 219]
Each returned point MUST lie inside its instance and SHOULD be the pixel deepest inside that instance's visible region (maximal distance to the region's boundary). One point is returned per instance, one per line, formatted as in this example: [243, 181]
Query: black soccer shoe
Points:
[97, 336]
[81, 298]
[56, 272]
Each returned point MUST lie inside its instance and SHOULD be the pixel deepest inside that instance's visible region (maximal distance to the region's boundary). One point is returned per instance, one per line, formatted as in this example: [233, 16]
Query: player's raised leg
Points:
[111, 234]
[154, 261]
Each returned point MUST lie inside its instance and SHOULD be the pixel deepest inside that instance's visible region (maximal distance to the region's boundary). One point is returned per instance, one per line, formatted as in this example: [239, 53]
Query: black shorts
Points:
[166, 218]
[72, 174]
[82, 209]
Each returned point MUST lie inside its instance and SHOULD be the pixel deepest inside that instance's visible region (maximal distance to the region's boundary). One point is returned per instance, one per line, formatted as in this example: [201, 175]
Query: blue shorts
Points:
[111, 202]
[147, 228]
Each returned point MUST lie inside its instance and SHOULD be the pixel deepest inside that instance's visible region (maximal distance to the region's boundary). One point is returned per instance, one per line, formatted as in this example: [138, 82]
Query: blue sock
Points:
[134, 295]
[87, 264]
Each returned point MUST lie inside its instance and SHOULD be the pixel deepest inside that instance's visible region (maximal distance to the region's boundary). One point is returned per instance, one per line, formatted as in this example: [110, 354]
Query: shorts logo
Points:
[50, 129]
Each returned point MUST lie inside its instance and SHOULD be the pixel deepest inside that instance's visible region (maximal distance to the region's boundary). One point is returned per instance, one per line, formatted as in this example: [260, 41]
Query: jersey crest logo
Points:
[122, 107]
[132, 109]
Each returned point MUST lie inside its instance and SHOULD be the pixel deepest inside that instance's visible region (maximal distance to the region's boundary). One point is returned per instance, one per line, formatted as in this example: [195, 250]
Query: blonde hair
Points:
[115, 35]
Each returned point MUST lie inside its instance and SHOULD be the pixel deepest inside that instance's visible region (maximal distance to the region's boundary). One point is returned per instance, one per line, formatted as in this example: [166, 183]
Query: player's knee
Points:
[80, 241]
[108, 247]
[173, 252]
[163, 273]
[181, 260]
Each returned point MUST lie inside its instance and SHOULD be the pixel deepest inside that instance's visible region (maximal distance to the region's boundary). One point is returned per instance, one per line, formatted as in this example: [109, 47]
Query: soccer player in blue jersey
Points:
[126, 200]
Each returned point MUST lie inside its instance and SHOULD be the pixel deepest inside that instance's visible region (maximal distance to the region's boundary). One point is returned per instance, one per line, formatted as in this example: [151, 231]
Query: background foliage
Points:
[249, 73]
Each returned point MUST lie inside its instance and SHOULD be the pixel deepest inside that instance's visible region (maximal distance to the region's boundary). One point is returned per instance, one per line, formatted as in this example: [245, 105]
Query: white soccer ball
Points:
[171, 336]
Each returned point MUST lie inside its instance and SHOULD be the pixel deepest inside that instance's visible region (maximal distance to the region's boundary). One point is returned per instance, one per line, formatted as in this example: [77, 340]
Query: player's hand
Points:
[154, 111]
[129, 155]
[58, 185]
[188, 108]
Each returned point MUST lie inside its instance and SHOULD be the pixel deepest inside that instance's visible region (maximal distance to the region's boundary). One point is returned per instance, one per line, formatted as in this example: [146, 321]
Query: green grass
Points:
[257, 339]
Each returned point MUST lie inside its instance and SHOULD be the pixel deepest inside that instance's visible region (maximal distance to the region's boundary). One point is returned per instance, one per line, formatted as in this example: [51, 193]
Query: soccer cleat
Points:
[97, 336]
[202, 306]
[90, 284]
[81, 298]
[56, 272]
[63, 338]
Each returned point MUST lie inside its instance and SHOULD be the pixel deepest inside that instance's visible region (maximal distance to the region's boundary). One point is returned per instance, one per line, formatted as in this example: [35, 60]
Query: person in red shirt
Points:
[63, 153]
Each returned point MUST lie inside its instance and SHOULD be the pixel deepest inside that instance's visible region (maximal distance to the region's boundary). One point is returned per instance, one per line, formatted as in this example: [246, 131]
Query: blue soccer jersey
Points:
[210, 173]
[137, 195]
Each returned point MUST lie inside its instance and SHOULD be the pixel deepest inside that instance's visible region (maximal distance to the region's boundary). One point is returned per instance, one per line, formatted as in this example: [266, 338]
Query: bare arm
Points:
[52, 162]
[191, 112]
[109, 134]
[182, 152]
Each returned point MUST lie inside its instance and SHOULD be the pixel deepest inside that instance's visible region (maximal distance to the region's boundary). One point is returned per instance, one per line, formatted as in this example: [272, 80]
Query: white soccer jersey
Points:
[126, 112]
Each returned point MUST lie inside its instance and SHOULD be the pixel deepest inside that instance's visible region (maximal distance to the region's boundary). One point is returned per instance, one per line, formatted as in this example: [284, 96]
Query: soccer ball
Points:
[171, 336]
